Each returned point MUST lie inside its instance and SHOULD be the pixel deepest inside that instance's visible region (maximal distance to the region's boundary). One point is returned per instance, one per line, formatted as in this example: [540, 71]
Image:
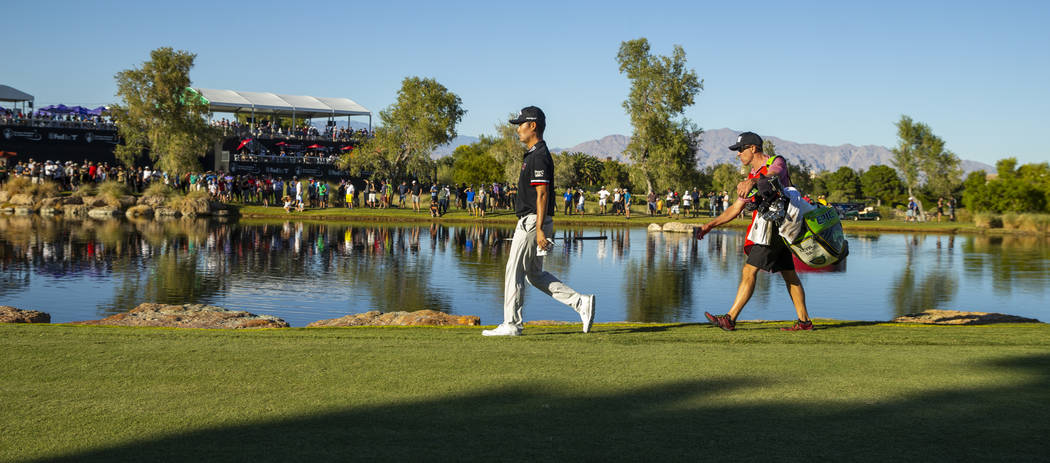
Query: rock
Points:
[24, 210]
[75, 210]
[188, 316]
[655, 227]
[678, 227]
[21, 199]
[417, 318]
[127, 201]
[166, 212]
[8, 210]
[50, 211]
[140, 210]
[93, 201]
[10, 314]
[4, 196]
[956, 317]
[153, 201]
[107, 212]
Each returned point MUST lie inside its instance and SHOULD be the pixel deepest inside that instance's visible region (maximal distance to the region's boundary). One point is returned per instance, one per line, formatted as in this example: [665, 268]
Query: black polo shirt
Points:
[536, 169]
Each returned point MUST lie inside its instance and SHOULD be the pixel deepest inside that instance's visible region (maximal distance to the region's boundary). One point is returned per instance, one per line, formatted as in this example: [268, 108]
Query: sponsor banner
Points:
[56, 136]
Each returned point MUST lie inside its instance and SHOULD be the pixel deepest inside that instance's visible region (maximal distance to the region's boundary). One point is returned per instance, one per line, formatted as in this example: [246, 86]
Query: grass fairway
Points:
[847, 392]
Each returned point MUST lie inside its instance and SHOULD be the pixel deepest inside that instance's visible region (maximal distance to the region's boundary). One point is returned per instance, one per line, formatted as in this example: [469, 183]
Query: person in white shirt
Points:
[603, 197]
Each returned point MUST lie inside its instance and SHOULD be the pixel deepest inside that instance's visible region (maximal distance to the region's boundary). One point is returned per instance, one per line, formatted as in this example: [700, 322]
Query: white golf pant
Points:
[523, 264]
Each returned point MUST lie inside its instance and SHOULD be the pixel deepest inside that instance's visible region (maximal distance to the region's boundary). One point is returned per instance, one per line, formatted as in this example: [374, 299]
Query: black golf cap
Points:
[747, 138]
[530, 114]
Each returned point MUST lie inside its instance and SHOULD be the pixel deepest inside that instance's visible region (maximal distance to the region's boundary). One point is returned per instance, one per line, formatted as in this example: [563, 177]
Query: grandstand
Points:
[272, 104]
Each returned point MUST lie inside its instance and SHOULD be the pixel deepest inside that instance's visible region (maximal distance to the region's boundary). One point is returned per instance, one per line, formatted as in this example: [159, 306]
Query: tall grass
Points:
[987, 220]
[22, 185]
[111, 191]
[1011, 221]
[158, 189]
[85, 189]
[183, 201]
[1037, 223]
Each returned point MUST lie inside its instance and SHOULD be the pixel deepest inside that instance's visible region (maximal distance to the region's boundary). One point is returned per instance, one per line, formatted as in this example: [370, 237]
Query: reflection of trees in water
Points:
[659, 287]
[391, 268]
[1009, 261]
[929, 284]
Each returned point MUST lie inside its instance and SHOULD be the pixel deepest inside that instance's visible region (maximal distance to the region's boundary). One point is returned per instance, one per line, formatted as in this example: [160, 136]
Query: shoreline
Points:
[457, 217]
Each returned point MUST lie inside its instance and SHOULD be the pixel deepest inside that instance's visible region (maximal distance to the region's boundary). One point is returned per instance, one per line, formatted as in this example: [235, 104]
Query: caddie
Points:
[773, 257]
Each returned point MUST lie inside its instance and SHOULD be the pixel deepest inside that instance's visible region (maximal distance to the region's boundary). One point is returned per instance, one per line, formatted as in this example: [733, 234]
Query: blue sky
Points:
[812, 72]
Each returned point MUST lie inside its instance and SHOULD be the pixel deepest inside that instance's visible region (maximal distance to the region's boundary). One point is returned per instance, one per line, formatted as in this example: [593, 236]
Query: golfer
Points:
[773, 258]
[534, 206]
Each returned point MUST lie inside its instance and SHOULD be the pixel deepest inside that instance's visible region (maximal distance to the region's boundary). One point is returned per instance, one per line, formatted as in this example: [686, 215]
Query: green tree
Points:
[725, 178]
[844, 183]
[882, 183]
[615, 174]
[975, 192]
[586, 168]
[1013, 190]
[920, 153]
[664, 143]
[159, 113]
[906, 156]
[508, 150]
[801, 176]
[424, 116]
[473, 165]
[769, 148]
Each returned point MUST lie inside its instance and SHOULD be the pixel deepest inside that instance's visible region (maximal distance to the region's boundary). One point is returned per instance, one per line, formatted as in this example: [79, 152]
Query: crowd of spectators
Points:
[304, 131]
[44, 119]
[289, 157]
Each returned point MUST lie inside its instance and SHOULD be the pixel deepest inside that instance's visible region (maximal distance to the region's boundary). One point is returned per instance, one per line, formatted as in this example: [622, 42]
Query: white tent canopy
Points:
[16, 95]
[300, 106]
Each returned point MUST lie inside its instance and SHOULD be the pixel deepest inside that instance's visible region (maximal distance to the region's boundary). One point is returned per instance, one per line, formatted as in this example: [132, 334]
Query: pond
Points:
[303, 272]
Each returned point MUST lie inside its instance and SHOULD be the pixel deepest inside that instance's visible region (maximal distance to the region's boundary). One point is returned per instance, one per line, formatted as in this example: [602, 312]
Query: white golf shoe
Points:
[587, 312]
[503, 330]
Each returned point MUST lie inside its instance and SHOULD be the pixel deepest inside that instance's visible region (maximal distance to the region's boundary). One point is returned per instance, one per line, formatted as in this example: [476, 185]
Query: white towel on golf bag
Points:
[794, 224]
[760, 232]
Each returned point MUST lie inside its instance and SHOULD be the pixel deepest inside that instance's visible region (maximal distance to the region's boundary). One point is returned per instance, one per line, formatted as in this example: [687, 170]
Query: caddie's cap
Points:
[530, 114]
[746, 138]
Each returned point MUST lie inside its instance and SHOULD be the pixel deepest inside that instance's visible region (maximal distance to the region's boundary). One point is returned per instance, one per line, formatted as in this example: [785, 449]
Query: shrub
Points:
[111, 191]
[112, 188]
[1011, 221]
[18, 185]
[182, 201]
[963, 215]
[45, 189]
[1038, 223]
[158, 189]
[987, 220]
[86, 189]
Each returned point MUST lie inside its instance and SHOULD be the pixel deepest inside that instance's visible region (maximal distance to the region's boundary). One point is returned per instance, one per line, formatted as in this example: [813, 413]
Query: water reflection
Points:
[82, 269]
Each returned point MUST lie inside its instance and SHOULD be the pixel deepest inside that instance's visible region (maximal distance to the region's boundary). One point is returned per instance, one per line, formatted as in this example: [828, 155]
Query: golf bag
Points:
[812, 232]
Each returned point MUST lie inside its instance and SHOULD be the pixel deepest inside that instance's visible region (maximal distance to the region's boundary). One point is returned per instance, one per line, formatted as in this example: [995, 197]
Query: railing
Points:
[57, 123]
[265, 134]
[269, 158]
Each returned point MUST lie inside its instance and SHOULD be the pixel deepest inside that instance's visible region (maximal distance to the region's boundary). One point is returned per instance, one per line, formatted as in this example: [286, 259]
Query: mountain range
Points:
[714, 150]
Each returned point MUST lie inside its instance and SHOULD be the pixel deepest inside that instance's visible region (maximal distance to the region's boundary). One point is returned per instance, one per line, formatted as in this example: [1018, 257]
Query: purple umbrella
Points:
[56, 109]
